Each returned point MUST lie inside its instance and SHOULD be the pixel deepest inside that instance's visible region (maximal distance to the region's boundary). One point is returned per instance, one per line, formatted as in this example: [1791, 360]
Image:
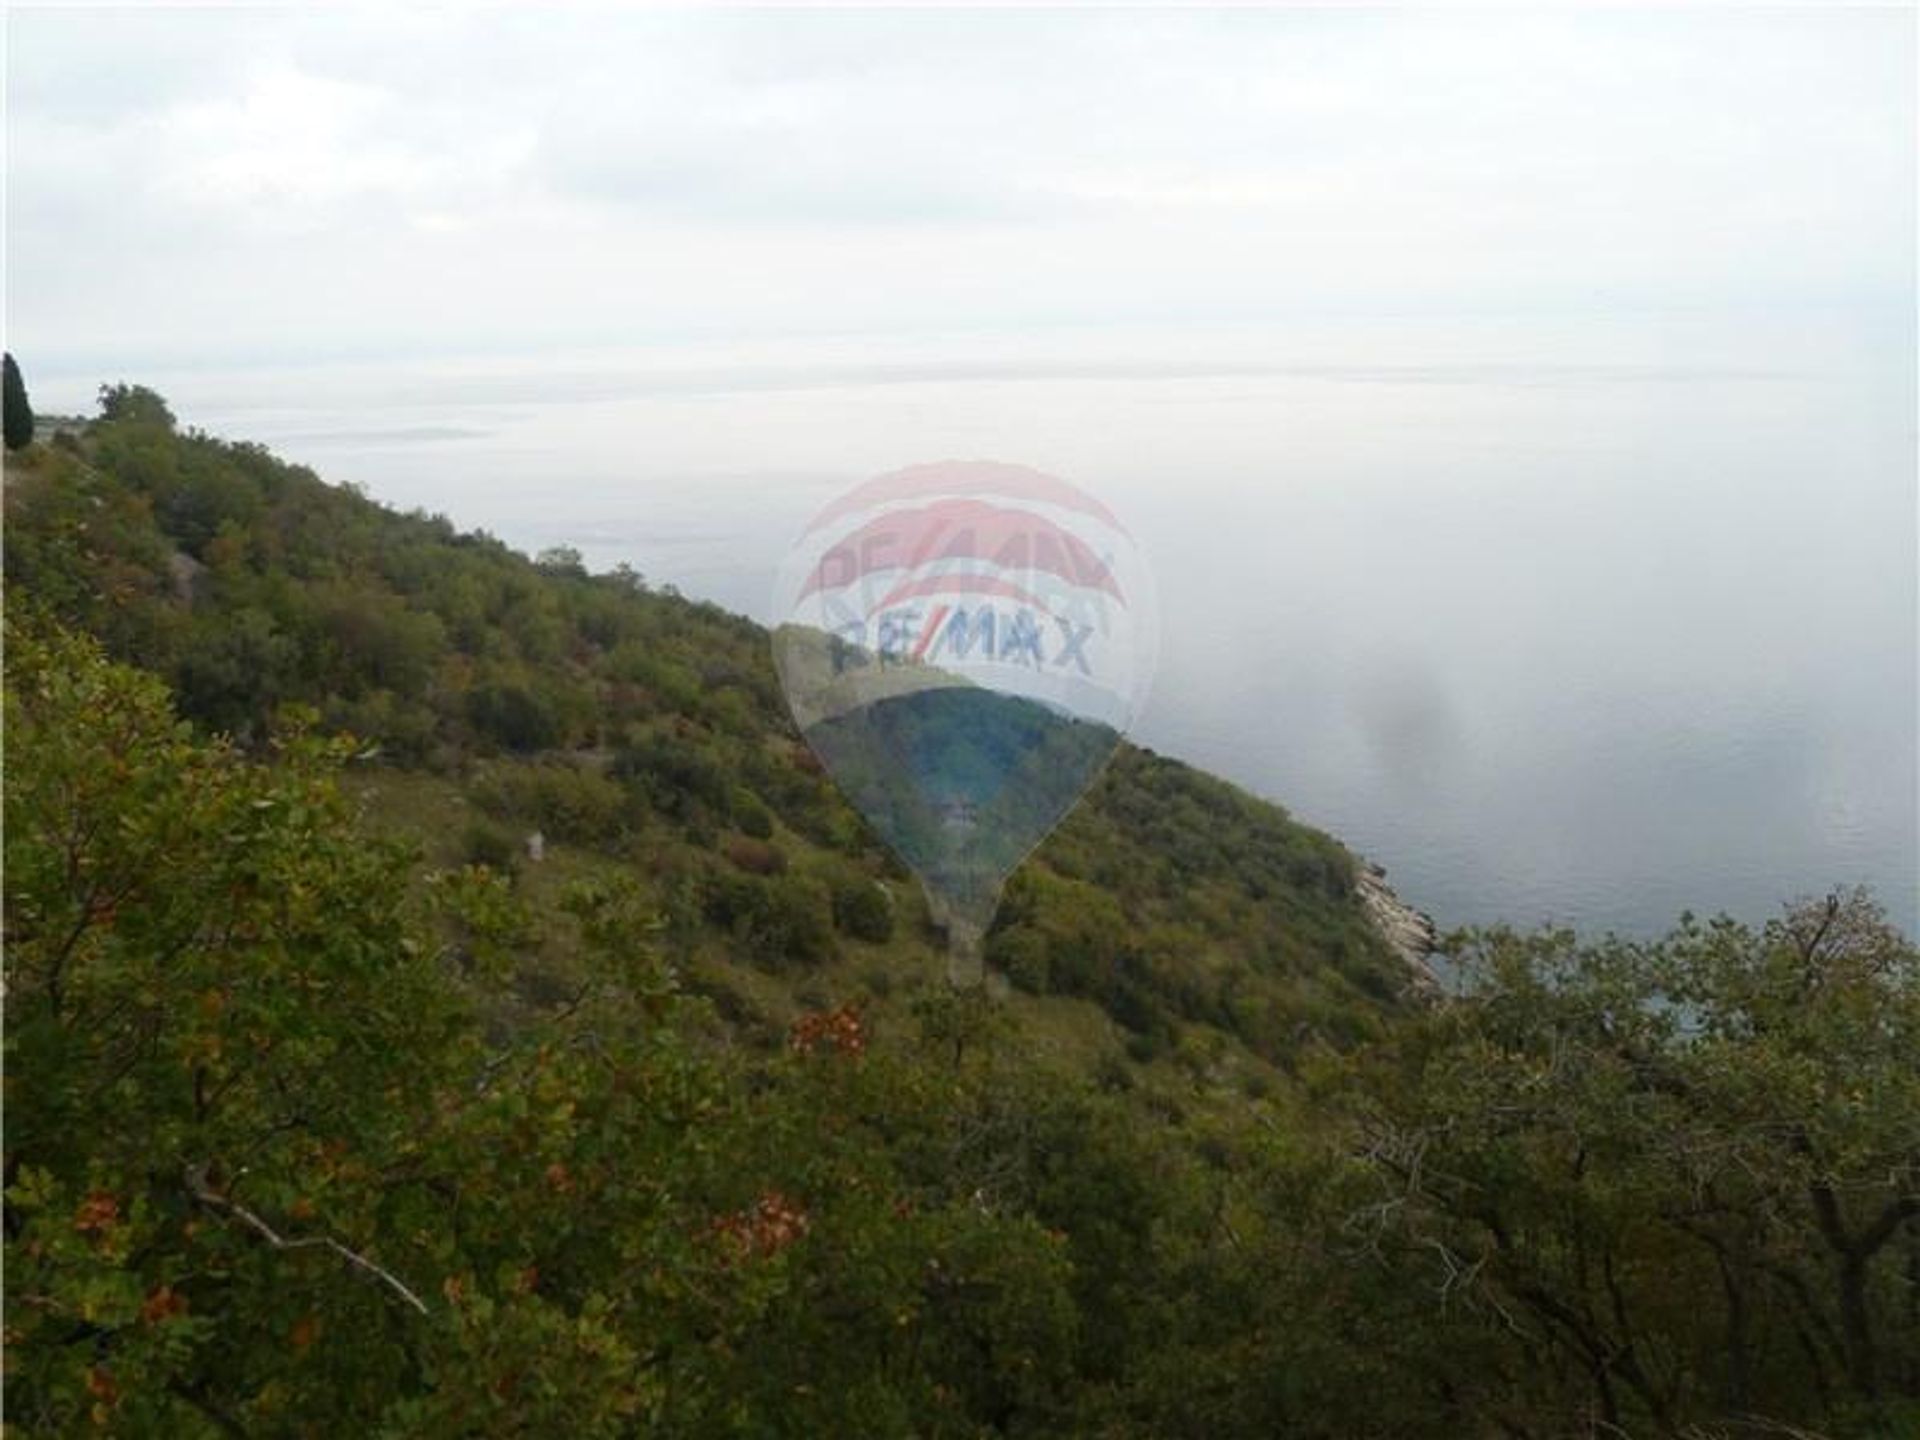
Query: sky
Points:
[232, 187]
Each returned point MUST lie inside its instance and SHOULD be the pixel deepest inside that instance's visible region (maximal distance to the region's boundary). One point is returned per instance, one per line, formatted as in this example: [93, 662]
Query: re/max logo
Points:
[907, 634]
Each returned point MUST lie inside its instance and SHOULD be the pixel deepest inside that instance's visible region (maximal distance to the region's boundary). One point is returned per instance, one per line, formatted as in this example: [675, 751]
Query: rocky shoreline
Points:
[1410, 933]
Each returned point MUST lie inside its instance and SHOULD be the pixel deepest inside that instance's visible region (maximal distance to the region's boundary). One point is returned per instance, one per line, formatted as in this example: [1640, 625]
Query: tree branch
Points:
[206, 1195]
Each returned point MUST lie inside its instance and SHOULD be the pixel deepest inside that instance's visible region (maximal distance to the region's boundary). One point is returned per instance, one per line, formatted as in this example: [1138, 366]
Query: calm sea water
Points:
[1589, 622]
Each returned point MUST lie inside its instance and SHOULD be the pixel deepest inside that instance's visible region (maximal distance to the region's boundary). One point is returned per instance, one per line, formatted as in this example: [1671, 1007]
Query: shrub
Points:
[564, 801]
[756, 857]
[514, 717]
[779, 921]
[403, 731]
[750, 815]
[490, 845]
[863, 909]
[1020, 953]
[1113, 1074]
[1145, 1049]
[675, 775]
[135, 404]
[798, 926]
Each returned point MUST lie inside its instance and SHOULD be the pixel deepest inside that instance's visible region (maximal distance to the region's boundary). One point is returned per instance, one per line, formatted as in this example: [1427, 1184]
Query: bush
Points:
[514, 717]
[1145, 1049]
[490, 845]
[1113, 1074]
[781, 921]
[799, 923]
[675, 775]
[863, 909]
[135, 404]
[1020, 953]
[750, 815]
[756, 857]
[564, 801]
[403, 731]
[231, 672]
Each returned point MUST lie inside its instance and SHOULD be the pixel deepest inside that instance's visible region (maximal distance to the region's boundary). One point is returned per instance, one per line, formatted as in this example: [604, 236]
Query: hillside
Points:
[337, 1103]
[642, 729]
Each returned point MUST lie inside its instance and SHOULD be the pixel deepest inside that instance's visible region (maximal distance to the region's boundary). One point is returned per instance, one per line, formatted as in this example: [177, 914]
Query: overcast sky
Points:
[221, 186]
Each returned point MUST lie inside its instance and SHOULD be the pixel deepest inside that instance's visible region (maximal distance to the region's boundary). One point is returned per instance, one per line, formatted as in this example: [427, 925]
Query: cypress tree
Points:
[19, 414]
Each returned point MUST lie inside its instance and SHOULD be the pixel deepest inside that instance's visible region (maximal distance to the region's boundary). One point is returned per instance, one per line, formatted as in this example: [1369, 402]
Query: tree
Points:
[19, 412]
[1675, 1183]
[135, 403]
[213, 1005]
[232, 673]
[560, 560]
[1802, 1072]
[513, 716]
[276, 1164]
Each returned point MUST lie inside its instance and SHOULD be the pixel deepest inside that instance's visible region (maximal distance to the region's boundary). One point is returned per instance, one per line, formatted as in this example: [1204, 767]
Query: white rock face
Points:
[1408, 931]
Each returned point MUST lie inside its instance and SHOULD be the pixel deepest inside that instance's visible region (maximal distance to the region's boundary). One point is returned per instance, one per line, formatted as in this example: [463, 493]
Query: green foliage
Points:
[492, 846]
[1168, 898]
[271, 1167]
[213, 1005]
[863, 909]
[675, 775]
[134, 404]
[234, 671]
[561, 560]
[18, 410]
[776, 920]
[756, 857]
[750, 816]
[1682, 1175]
[563, 801]
[514, 717]
[304, 1137]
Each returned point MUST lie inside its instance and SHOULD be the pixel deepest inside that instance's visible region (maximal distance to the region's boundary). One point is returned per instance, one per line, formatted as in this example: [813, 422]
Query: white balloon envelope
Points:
[964, 644]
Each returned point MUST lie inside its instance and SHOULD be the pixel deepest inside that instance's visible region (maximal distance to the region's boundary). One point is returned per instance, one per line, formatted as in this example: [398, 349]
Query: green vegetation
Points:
[335, 1106]
[18, 410]
[648, 730]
